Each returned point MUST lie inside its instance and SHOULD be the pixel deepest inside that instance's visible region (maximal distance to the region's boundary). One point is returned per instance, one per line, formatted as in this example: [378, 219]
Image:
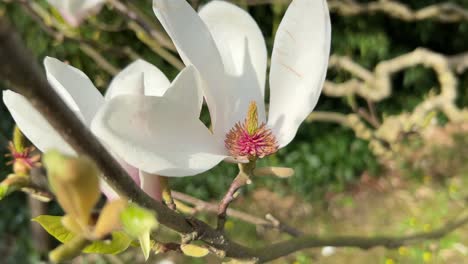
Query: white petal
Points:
[33, 125]
[74, 11]
[227, 96]
[186, 90]
[75, 88]
[196, 47]
[140, 77]
[298, 66]
[230, 27]
[150, 185]
[157, 134]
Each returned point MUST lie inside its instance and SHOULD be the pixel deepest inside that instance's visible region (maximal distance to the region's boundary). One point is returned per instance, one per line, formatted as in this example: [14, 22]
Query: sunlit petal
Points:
[298, 66]
[196, 47]
[75, 88]
[140, 77]
[159, 135]
[231, 27]
[33, 125]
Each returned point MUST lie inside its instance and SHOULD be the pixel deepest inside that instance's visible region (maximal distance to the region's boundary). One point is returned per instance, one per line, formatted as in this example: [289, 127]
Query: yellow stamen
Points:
[251, 121]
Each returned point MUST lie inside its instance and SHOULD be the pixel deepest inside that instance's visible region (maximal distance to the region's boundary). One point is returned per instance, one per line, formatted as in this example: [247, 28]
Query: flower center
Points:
[248, 139]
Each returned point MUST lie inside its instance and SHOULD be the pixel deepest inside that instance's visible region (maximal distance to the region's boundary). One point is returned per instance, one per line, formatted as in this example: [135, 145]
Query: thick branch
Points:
[287, 247]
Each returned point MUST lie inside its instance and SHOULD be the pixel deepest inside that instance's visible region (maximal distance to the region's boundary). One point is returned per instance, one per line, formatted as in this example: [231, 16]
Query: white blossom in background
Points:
[227, 48]
[81, 96]
[75, 11]
[328, 251]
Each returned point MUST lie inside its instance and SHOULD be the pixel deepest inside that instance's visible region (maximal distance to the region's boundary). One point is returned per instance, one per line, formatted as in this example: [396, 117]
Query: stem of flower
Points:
[242, 179]
[166, 192]
[13, 183]
[69, 250]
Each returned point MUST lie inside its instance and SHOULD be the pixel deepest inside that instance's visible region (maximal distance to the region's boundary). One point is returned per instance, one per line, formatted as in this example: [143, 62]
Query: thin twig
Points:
[135, 15]
[203, 206]
[240, 181]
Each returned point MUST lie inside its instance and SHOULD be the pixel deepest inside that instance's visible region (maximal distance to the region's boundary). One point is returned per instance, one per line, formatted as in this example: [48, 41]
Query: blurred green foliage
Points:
[326, 157]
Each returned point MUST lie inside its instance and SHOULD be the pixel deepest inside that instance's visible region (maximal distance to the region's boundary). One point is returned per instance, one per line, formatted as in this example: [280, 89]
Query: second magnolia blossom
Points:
[74, 11]
[83, 98]
[227, 48]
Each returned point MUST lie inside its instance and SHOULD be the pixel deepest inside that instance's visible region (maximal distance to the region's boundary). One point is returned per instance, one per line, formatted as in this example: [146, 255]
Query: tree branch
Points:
[242, 179]
[287, 247]
[446, 12]
[269, 222]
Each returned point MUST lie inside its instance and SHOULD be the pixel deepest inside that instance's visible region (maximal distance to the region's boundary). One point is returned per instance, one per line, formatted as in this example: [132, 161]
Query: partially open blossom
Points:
[78, 92]
[226, 47]
[74, 11]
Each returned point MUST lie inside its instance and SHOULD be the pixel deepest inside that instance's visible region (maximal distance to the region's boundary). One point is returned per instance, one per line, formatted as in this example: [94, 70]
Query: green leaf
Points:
[137, 221]
[145, 244]
[120, 242]
[53, 225]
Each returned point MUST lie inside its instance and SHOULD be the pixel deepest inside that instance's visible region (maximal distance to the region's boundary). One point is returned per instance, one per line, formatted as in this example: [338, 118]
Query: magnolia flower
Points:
[79, 93]
[227, 48]
[74, 11]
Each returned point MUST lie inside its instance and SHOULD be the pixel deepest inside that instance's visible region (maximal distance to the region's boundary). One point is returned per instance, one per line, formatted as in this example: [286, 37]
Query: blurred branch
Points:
[54, 29]
[135, 15]
[287, 247]
[147, 33]
[268, 222]
[155, 46]
[376, 86]
[446, 12]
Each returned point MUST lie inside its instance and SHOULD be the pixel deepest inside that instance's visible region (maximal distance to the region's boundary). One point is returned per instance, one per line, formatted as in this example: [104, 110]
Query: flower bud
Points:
[109, 219]
[75, 183]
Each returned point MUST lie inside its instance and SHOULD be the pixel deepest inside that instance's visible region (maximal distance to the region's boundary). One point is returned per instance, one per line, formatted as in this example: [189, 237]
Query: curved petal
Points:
[75, 88]
[158, 134]
[33, 125]
[227, 95]
[140, 77]
[186, 90]
[230, 27]
[196, 47]
[298, 66]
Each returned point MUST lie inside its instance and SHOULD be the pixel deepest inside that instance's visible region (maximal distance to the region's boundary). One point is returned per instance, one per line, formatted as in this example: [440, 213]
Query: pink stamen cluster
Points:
[24, 157]
[240, 143]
